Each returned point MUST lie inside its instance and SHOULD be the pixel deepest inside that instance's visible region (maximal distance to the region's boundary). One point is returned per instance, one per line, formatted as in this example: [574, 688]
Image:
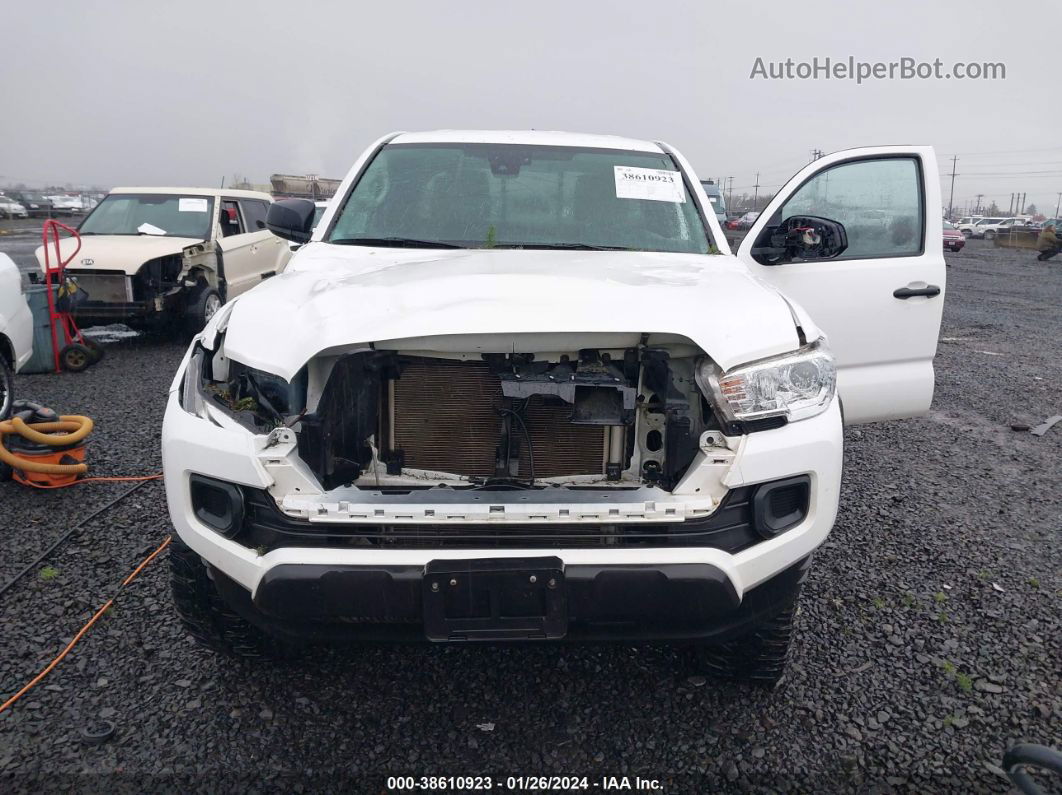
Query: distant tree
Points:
[1030, 209]
[993, 209]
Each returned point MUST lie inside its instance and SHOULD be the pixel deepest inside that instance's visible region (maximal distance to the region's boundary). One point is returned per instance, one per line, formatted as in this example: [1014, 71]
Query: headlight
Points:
[254, 398]
[794, 386]
[192, 399]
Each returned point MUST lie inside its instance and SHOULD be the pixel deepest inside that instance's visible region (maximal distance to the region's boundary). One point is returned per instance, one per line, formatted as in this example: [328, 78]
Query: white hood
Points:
[116, 252]
[332, 296]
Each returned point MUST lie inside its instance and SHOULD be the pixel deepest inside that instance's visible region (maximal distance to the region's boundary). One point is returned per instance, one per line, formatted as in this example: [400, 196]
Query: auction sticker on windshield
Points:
[649, 183]
[186, 205]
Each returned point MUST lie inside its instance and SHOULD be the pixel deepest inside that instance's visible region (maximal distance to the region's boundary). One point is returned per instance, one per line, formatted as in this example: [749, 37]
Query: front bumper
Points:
[666, 602]
[689, 591]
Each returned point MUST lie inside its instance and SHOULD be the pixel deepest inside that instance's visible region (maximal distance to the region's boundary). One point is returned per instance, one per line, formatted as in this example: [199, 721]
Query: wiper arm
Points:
[570, 246]
[395, 242]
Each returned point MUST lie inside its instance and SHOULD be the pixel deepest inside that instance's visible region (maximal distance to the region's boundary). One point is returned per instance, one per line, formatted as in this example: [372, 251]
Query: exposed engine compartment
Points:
[620, 417]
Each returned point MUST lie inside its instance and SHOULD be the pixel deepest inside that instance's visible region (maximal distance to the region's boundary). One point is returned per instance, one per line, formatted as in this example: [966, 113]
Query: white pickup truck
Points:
[515, 386]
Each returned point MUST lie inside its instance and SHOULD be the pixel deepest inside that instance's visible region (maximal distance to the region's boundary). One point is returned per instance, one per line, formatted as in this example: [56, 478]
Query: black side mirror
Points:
[803, 237]
[291, 219]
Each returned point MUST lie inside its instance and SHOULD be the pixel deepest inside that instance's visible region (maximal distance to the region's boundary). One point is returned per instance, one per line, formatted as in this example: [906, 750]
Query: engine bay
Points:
[590, 417]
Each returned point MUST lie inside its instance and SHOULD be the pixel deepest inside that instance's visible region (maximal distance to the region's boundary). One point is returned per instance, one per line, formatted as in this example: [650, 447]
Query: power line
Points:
[951, 198]
[1011, 151]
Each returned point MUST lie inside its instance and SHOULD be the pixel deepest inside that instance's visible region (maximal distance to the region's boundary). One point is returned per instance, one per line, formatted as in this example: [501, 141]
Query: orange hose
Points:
[106, 605]
[97, 480]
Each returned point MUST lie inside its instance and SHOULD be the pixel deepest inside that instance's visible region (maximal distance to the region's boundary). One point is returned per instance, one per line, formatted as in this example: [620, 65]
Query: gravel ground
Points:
[929, 636]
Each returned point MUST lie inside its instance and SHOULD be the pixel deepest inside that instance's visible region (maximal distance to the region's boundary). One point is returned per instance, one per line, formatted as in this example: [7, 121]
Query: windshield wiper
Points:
[396, 242]
[572, 246]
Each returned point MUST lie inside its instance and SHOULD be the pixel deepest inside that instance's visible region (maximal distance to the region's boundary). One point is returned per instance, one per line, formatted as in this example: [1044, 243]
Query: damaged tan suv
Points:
[160, 258]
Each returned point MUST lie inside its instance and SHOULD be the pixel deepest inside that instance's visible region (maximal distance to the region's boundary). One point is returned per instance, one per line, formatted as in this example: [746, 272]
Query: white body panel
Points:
[16, 322]
[344, 295]
[884, 345]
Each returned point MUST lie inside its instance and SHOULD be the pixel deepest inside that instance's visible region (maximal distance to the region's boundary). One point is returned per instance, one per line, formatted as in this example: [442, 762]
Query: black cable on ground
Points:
[66, 536]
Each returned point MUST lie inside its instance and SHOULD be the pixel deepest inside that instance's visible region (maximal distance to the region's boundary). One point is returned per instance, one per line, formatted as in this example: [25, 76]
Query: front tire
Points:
[990, 235]
[759, 657]
[208, 619]
[201, 308]
[7, 388]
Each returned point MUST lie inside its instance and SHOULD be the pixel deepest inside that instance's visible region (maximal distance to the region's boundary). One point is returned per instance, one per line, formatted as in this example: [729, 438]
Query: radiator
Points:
[446, 419]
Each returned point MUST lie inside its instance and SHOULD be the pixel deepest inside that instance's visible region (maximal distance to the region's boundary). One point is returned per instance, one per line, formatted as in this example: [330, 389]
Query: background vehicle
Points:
[16, 331]
[989, 230]
[151, 257]
[977, 229]
[9, 208]
[563, 417]
[38, 205]
[954, 240]
[68, 205]
[319, 208]
[744, 221]
[715, 196]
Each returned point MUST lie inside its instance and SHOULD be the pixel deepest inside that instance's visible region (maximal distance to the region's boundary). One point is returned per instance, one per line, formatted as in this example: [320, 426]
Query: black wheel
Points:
[7, 388]
[989, 234]
[202, 307]
[206, 616]
[759, 657]
[75, 357]
[95, 350]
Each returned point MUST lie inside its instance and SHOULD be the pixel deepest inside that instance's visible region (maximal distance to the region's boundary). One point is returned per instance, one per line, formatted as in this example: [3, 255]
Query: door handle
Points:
[928, 291]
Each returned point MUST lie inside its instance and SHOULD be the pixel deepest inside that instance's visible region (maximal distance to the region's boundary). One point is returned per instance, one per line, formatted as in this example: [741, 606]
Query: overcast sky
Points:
[185, 92]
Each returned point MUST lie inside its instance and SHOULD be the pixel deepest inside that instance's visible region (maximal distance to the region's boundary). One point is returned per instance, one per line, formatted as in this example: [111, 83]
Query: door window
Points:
[229, 219]
[254, 210]
[878, 201]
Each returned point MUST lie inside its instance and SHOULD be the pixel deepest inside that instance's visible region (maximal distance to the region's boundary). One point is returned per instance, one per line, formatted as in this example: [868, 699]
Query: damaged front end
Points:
[611, 429]
[159, 288]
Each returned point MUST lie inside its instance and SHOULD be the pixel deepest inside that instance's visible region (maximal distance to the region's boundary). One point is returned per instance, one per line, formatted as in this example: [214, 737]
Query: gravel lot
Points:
[929, 638]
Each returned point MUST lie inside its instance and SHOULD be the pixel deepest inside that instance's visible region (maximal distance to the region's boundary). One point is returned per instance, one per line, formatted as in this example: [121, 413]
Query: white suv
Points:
[980, 226]
[156, 258]
[515, 386]
[966, 224]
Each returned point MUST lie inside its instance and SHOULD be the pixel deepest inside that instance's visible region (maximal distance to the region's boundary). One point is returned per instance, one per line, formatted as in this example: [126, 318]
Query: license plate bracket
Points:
[495, 599]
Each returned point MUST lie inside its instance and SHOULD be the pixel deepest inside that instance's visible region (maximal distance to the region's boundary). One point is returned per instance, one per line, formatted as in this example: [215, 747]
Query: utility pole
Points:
[978, 208]
[756, 195]
[1059, 202]
[951, 197]
[816, 154]
[1010, 207]
[730, 194]
[1022, 210]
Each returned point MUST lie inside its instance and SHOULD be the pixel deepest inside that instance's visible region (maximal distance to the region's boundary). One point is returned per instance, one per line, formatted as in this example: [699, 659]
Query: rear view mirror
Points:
[291, 219]
[801, 237]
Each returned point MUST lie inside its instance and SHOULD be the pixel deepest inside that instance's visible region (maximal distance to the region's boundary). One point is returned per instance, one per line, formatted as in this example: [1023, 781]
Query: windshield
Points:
[165, 215]
[513, 196]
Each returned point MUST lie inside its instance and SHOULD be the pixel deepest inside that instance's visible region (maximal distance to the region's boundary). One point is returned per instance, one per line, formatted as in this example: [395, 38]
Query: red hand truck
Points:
[76, 353]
